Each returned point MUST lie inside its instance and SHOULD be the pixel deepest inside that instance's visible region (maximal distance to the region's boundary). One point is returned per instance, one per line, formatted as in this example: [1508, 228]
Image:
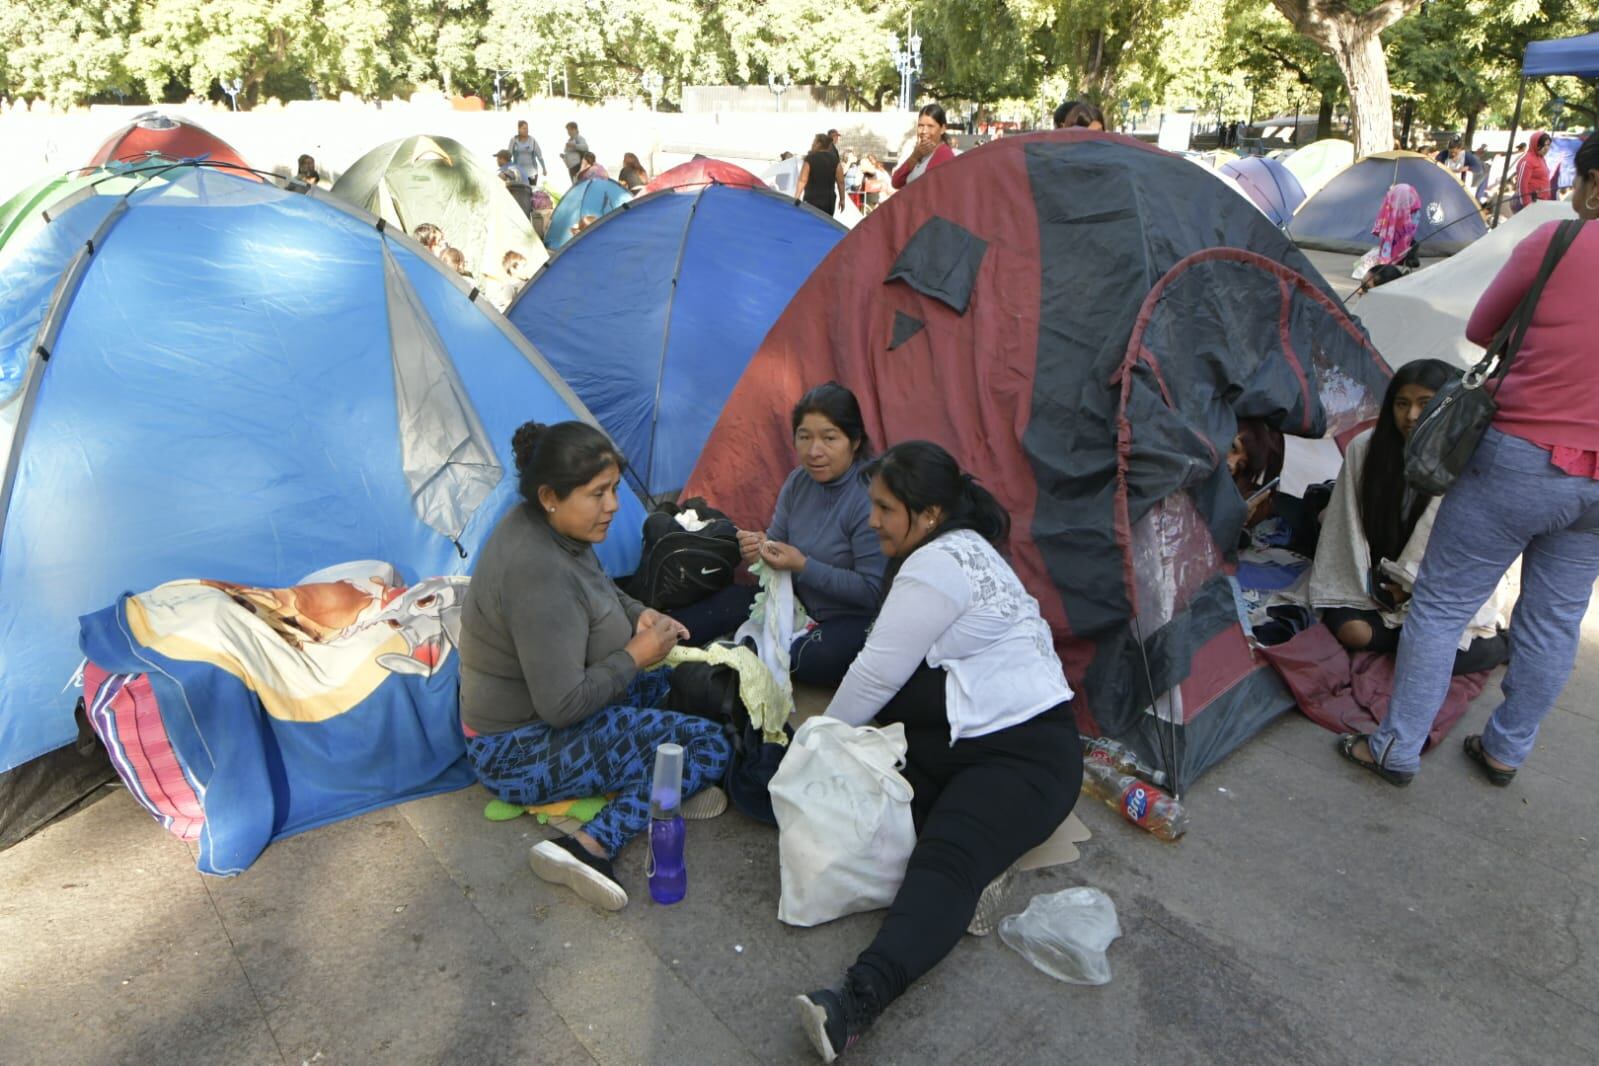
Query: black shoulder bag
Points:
[1451, 427]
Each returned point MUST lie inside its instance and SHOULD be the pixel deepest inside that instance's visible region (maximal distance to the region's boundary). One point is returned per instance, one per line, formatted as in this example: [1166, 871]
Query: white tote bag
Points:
[843, 820]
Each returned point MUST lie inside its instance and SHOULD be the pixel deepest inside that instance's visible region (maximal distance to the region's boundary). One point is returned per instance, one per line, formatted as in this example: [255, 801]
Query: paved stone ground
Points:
[1312, 915]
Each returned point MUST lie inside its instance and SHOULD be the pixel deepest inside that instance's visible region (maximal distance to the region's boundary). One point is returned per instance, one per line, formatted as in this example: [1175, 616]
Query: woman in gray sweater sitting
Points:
[821, 534]
[557, 701]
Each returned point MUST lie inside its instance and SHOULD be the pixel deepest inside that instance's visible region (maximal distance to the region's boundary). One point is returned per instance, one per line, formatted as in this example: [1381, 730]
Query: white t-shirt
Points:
[958, 605]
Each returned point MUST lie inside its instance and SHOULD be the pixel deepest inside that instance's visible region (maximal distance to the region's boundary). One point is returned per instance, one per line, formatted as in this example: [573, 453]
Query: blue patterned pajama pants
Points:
[612, 750]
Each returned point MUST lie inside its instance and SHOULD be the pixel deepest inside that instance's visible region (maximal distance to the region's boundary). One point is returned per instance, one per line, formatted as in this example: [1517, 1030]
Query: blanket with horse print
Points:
[240, 715]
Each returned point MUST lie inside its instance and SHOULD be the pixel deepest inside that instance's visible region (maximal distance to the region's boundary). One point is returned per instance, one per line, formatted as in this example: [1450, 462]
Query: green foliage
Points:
[1454, 59]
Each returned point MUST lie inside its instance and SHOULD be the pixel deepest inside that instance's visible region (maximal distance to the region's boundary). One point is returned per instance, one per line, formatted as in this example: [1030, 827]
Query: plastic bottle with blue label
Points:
[664, 863]
[1139, 802]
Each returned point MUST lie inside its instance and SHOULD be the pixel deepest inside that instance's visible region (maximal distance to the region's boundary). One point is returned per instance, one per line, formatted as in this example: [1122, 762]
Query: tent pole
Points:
[1510, 147]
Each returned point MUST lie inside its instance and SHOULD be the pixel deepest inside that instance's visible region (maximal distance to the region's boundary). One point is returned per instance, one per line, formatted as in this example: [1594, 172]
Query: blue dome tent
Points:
[1271, 186]
[652, 314]
[1340, 216]
[214, 377]
[587, 199]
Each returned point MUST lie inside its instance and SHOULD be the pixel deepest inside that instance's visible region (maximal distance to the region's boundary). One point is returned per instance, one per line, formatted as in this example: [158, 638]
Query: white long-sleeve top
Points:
[958, 605]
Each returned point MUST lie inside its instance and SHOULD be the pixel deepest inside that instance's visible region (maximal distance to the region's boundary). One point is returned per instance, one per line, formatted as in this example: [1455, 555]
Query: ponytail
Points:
[921, 475]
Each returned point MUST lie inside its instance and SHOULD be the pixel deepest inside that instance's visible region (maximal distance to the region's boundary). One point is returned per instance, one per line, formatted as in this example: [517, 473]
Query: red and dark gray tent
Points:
[155, 134]
[1082, 320]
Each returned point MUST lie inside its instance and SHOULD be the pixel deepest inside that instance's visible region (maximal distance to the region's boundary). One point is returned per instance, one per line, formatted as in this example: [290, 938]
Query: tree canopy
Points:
[1454, 61]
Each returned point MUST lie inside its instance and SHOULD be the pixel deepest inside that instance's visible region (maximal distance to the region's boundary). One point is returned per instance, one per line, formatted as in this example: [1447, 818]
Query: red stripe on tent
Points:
[1285, 335]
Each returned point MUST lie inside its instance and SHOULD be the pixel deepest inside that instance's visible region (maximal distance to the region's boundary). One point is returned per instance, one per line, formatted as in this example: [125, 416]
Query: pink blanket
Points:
[1349, 693]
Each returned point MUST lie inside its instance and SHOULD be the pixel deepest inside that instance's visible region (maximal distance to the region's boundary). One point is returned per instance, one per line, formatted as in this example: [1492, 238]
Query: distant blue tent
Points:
[1339, 217]
[1272, 186]
[214, 377]
[653, 314]
[595, 197]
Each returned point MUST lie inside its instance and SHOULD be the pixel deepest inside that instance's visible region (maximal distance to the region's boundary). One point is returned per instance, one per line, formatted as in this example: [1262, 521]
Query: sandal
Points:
[1496, 776]
[1346, 748]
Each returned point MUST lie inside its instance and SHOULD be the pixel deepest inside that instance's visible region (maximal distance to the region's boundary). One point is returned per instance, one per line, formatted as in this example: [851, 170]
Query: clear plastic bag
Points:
[1065, 934]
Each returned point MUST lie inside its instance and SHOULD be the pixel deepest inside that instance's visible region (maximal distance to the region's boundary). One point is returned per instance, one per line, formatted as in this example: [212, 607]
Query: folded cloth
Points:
[776, 617]
[769, 703]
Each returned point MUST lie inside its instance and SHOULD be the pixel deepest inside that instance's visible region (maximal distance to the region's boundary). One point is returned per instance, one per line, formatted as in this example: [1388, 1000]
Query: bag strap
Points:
[1507, 342]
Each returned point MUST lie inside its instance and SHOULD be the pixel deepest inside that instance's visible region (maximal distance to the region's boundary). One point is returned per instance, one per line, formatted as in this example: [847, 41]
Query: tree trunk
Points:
[1324, 115]
[1471, 127]
[1357, 49]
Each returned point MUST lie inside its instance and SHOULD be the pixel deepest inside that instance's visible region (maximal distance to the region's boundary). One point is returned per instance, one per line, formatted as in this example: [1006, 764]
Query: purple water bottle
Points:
[664, 864]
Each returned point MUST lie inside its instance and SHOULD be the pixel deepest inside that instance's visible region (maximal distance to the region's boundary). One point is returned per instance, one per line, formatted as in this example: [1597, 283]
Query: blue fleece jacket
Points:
[828, 523]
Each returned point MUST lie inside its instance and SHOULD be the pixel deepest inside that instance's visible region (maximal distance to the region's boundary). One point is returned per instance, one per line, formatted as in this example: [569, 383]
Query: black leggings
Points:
[980, 805]
[1484, 653]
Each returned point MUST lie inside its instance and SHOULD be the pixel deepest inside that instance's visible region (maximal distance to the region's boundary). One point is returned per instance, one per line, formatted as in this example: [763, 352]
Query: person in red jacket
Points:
[1534, 181]
[1531, 490]
[930, 150]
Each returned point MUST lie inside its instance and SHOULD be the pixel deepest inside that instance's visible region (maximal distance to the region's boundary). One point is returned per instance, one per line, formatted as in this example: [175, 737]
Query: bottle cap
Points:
[667, 789]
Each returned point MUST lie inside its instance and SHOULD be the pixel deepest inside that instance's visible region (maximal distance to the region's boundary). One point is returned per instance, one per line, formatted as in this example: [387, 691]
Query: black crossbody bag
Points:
[1459, 413]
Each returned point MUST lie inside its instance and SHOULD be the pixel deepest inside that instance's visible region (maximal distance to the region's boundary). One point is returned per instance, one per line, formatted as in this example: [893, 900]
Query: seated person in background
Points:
[1079, 114]
[1255, 461]
[556, 699]
[514, 266]
[1375, 516]
[455, 259]
[961, 656]
[430, 237]
[589, 169]
[821, 533]
[633, 174]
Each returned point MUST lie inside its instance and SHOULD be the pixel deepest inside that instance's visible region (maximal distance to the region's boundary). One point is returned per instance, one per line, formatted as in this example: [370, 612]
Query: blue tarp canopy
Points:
[244, 384]
[1576, 57]
[652, 314]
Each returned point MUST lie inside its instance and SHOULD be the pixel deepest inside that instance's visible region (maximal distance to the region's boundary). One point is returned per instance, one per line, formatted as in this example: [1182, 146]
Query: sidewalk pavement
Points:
[1312, 915]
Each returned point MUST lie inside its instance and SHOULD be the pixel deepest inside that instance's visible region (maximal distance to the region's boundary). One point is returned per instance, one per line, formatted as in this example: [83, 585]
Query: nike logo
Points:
[712, 570]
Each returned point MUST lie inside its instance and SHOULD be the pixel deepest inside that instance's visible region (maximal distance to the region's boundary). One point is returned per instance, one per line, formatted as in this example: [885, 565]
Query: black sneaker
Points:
[566, 862]
[836, 1020]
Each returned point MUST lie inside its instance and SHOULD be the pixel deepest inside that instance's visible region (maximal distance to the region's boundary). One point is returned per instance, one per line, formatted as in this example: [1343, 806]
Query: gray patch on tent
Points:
[941, 260]
[449, 464]
[905, 327]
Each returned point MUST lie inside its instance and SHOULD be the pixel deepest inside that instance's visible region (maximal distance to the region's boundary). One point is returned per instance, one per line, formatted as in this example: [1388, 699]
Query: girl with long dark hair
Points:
[558, 700]
[1375, 517]
[962, 657]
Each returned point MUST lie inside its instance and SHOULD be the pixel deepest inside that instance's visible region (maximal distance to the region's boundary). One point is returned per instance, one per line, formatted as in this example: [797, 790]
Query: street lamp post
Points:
[908, 61]
[652, 85]
[233, 89]
[779, 84]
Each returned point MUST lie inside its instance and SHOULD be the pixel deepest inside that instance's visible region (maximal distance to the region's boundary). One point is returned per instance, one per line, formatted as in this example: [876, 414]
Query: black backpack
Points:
[681, 566]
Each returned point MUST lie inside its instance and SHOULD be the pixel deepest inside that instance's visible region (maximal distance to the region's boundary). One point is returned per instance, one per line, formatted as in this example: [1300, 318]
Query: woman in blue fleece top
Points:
[820, 534]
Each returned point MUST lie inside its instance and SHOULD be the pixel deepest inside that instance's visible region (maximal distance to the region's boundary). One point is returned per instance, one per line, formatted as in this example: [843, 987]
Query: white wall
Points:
[338, 133]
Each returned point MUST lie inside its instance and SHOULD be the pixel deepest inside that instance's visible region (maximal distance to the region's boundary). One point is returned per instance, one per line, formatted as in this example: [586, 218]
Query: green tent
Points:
[25, 211]
[1319, 162]
[438, 180]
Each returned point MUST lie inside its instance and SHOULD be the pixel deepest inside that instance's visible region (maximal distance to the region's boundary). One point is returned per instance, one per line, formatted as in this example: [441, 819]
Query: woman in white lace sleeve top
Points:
[961, 656]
